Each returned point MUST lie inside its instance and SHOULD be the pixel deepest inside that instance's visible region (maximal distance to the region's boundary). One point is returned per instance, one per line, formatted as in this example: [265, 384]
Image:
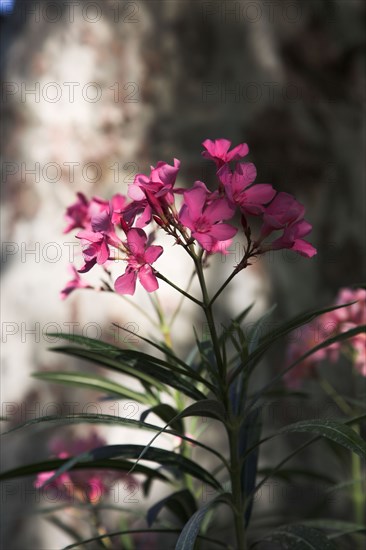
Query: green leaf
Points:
[299, 537]
[137, 365]
[173, 461]
[340, 337]
[93, 382]
[236, 321]
[166, 413]
[282, 330]
[88, 418]
[287, 474]
[209, 408]
[182, 504]
[115, 357]
[132, 531]
[206, 408]
[341, 527]
[188, 536]
[56, 464]
[255, 334]
[335, 431]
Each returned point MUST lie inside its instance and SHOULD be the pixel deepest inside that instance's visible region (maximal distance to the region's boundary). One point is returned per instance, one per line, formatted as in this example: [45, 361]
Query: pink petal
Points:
[135, 192]
[89, 236]
[136, 239]
[195, 199]
[103, 253]
[304, 248]
[152, 254]
[101, 222]
[219, 210]
[260, 193]
[204, 239]
[238, 152]
[245, 173]
[223, 231]
[225, 175]
[185, 218]
[126, 283]
[148, 279]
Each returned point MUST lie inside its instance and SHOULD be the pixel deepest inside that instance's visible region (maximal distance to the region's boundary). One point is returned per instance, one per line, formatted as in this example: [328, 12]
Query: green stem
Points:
[192, 298]
[235, 471]
[232, 426]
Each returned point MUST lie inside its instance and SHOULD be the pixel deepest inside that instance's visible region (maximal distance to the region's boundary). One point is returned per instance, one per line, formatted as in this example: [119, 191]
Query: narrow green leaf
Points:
[173, 461]
[188, 536]
[255, 334]
[56, 464]
[166, 413]
[341, 527]
[132, 531]
[282, 330]
[340, 337]
[93, 382]
[111, 420]
[335, 431]
[140, 366]
[299, 537]
[182, 504]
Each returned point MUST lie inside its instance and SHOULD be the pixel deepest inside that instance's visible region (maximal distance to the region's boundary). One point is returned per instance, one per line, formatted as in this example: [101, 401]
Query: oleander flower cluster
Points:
[326, 326]
[199, 219]
[88, 486]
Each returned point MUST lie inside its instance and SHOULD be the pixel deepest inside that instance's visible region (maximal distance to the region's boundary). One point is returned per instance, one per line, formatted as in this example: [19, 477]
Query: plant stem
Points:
[192, 298]
[235, 470]
[232, 426]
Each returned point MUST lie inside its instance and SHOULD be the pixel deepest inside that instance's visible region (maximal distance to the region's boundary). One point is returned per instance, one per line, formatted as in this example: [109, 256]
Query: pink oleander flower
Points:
[83, 485]
[140, 258]
[324, 327]
[155, 193]
[97, 240]
[203, 215]
[286, 213]
[218, 151]
[251, 199]
[73, 284]
[78, 215]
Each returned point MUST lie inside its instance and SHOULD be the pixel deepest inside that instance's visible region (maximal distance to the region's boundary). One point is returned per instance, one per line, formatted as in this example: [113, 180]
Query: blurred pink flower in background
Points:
[82, 485]
[324, 327]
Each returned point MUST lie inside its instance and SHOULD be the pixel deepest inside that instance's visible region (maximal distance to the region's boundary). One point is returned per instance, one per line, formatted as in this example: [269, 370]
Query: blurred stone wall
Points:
[95, 92]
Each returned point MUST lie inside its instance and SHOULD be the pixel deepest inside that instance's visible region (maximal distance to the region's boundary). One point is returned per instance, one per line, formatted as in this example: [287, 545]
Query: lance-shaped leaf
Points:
[167, 413]
[93, 382]
[330, 429]
[339, 338]
[136, 531]
[188, 536]
[137, 365]
[339, 527]
[280, 332]
[133, 357]
[299, 537]
[168, 459]
[109, 419]
[182, 504]
[58, 464]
